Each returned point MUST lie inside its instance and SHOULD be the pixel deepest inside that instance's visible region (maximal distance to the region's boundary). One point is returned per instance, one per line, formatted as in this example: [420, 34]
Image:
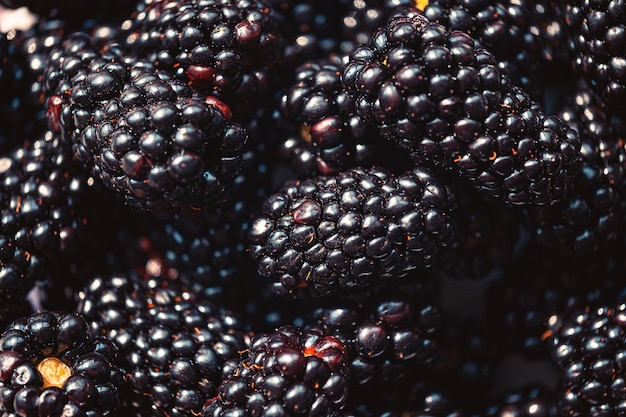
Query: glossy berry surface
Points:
[328, 234]
[51, 365]
[287, 372]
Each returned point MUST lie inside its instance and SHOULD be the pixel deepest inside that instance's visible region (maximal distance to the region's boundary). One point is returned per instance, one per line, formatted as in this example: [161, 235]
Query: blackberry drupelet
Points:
[226, 48]
[332, 234]
[588, 347]
[440, 97]
[40, 211]
[288, 372]
[332, 134]
[597, 45]
[145, 134]
[529, 401]
[592, 214]
[173, 342]
[390, 333]
[51, 366]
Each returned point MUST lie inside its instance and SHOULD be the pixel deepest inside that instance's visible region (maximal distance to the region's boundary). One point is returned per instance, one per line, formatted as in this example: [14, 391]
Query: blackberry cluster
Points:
[271, 208]
[597, 45]
[51, 366]
[40, 211]
[145, 134]
[326, 234]
[587, 346]
[173, 343]
[332, 137]
[288, 372]
[436, 94]
[227, 48]
[505, 28]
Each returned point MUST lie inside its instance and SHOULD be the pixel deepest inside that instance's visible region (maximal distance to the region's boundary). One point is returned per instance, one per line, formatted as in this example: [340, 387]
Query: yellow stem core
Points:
[421, 4]
[54, 372]
[305, 133]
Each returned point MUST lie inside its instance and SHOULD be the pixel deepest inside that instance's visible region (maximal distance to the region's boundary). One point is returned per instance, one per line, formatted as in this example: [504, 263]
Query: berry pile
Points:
[325, 208]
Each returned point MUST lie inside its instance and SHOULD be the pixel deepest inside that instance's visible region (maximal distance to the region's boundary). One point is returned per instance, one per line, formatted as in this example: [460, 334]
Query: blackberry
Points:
[597, 46]
[390, 333]
[22, 107]
[287, 372]
[330, 234]
[530, 401]
[592, 214]
[145, 134]
[51, 366]
[173, 341]
[587, 347]
[506, 28]
[334, 136]
[40, 208]
[437, 95]
[227, 48]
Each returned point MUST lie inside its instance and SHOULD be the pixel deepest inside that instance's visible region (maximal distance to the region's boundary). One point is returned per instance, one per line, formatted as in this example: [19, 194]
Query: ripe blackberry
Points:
[588, 346]
[437, 95]
[505, 28]
[288, 372]
[228, 48]
[530, 401]
[334, 136]
[22, 107]
[145, 134]
[51, 366]
[173, 342]
[598, 46]
[592, 214]
[390, 333]
[330, 234]
[40, 209]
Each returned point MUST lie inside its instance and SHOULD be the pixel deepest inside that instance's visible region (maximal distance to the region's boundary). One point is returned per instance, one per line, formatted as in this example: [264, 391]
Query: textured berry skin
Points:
[40, 211]
[507, 29]
[390, 333]
[436, 94]
[173, 342]
[598, 45]
[592, 215]
[224, 47]
[288, 372]
[334, 137]
[94, 386]
[143, 133]
[588, 347]
[530, 401]
[329, 234]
